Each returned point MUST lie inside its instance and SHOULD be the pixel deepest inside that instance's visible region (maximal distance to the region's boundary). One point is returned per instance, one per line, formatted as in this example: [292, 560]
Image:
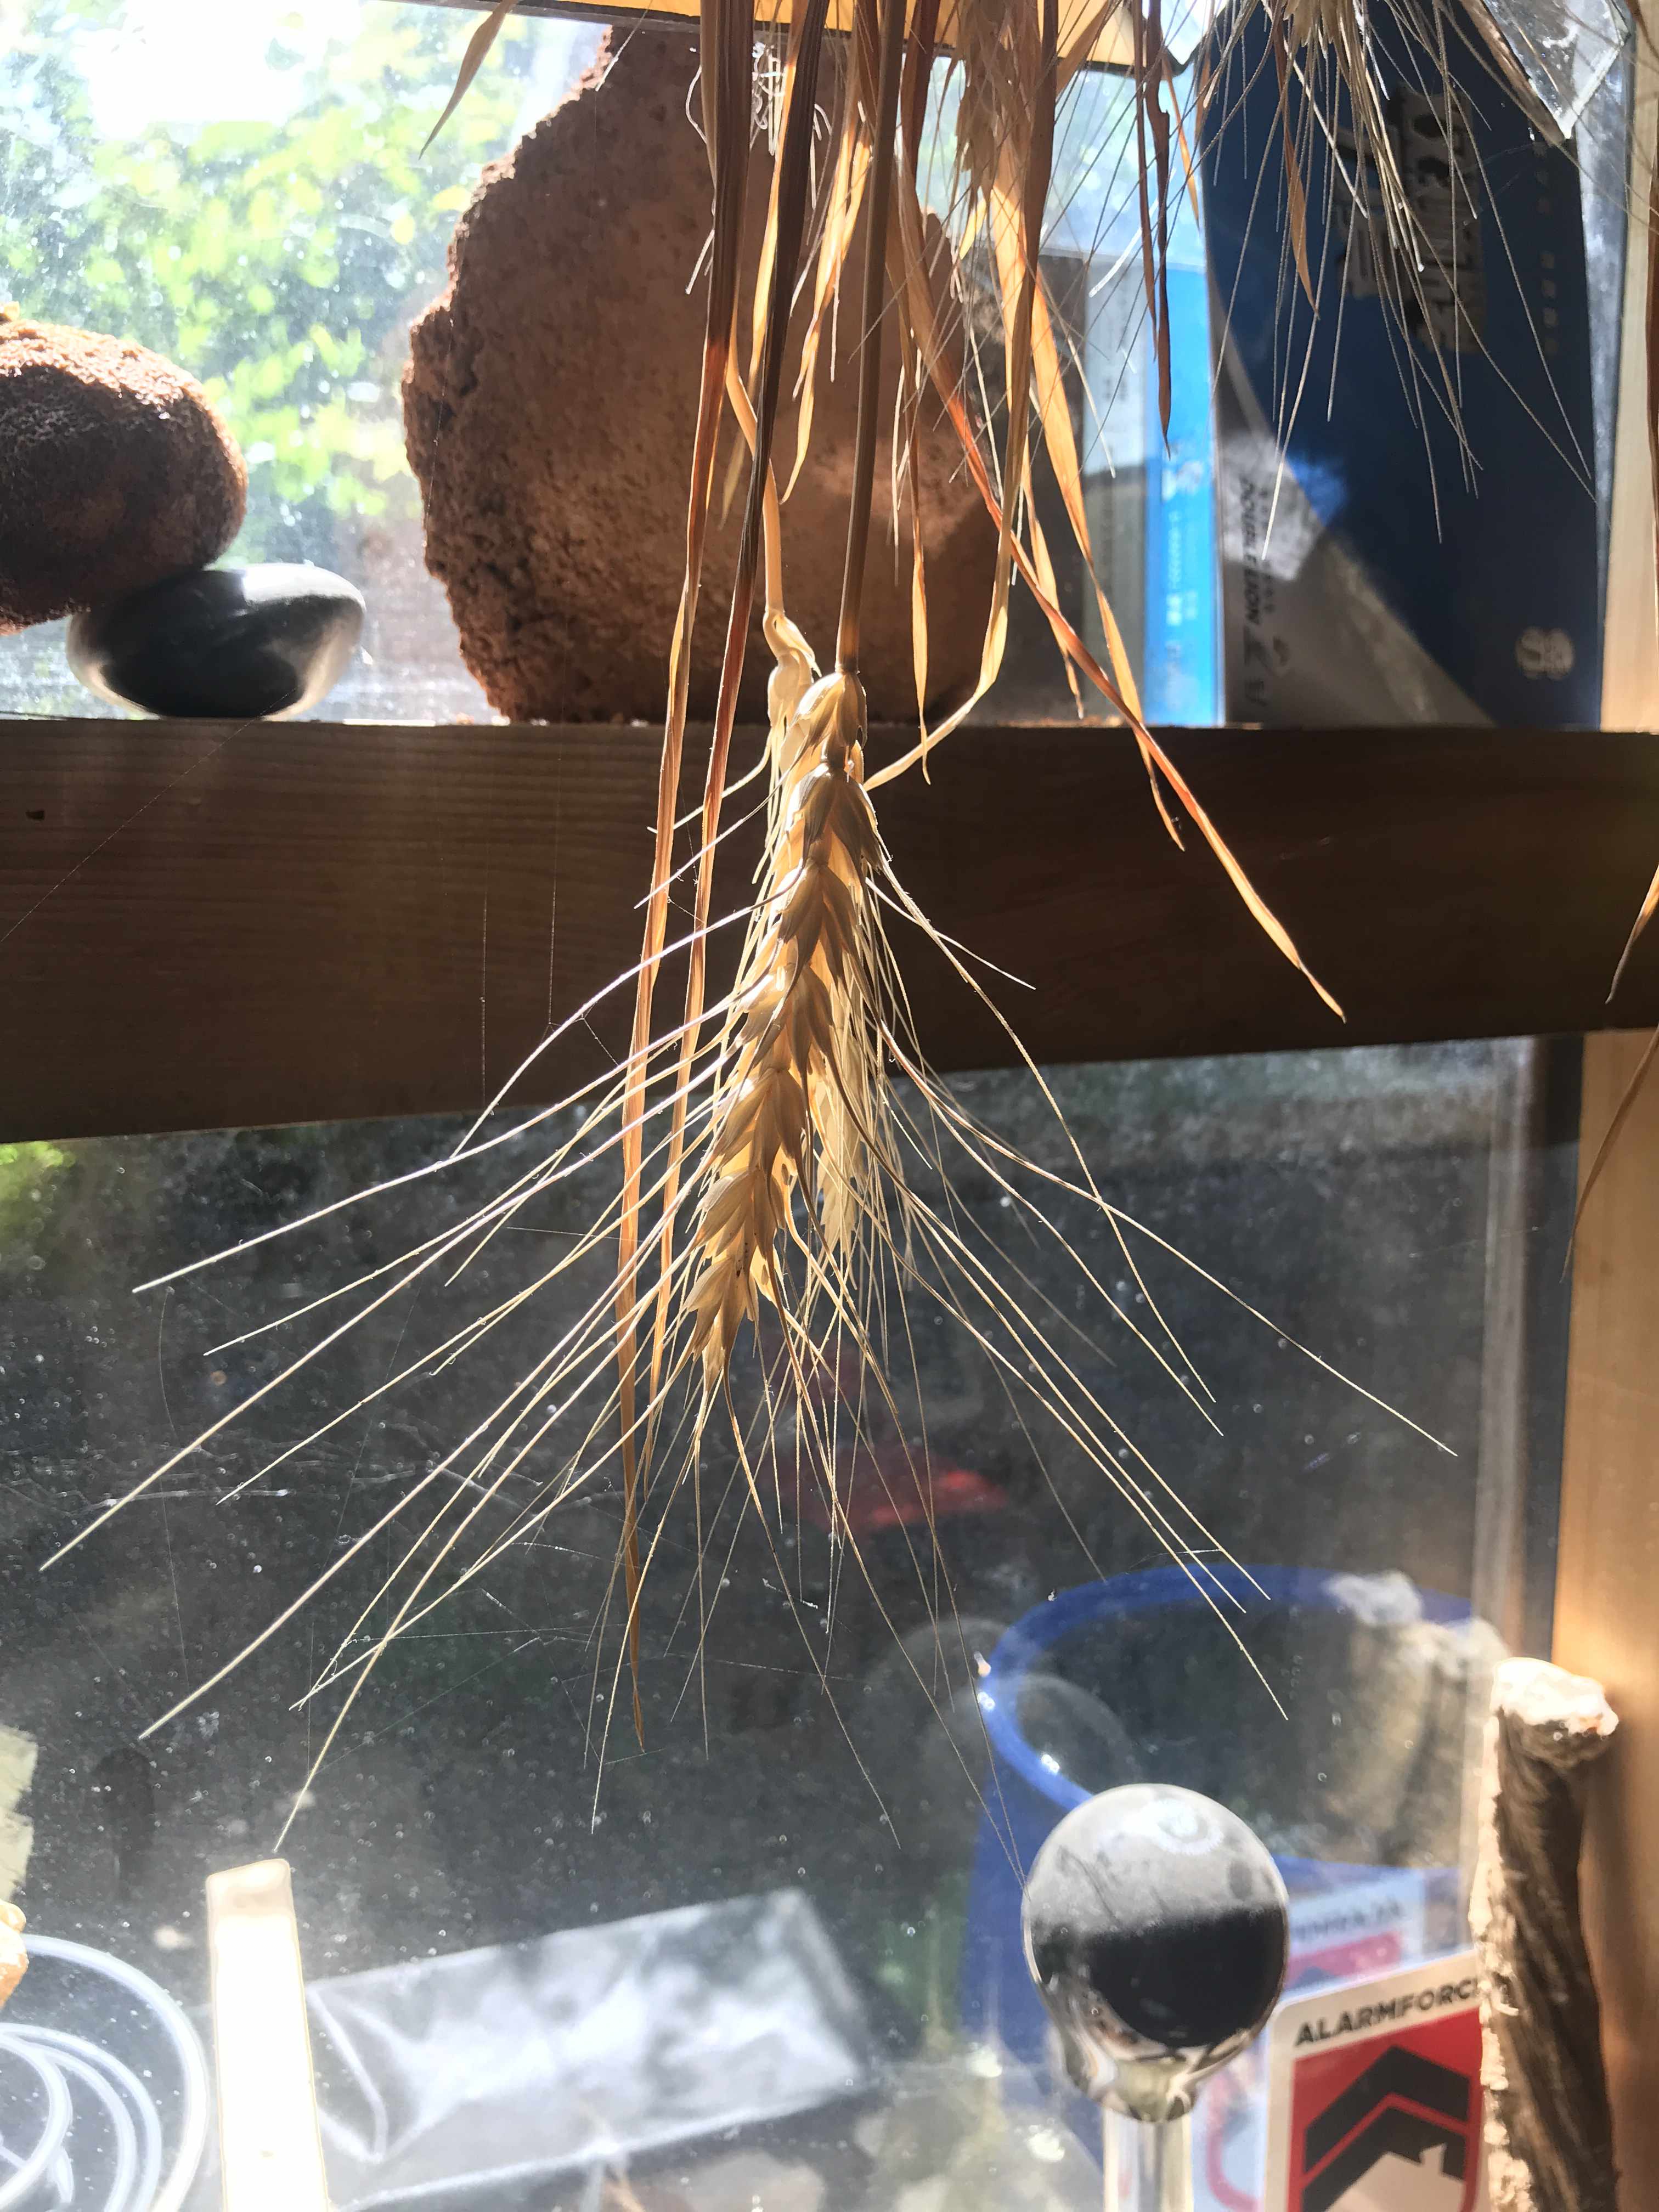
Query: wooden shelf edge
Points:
[204, 924]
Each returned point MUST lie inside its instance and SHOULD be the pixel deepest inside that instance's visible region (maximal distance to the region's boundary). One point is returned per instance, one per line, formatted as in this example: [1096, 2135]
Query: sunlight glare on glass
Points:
[200, 61]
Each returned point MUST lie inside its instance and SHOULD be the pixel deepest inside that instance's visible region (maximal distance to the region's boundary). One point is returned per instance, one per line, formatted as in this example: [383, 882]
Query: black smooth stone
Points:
[228, 644]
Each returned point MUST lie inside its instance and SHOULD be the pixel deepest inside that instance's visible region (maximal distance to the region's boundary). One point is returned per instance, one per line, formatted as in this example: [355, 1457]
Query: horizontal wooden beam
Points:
[207, 925]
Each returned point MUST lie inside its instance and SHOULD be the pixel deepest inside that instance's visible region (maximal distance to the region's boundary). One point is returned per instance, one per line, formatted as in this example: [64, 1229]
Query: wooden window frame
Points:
[207, 925]
[1606, 1612]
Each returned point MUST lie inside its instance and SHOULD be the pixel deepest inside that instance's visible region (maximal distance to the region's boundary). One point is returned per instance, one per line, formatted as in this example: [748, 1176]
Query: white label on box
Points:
[1364, 1928]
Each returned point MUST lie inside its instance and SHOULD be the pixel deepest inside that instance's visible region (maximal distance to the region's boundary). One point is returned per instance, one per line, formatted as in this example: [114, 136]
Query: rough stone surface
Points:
[549, 406]
[117, 472]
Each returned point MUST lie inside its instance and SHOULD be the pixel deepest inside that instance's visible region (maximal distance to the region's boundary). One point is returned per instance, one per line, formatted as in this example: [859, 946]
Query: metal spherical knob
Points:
[1157, 1929]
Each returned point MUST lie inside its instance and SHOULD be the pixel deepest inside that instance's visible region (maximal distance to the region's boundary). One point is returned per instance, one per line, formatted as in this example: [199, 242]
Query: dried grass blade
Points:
[1257, 906]
[1649, 904]
[1189, 165]
[758, 323]
[1651, 901]
[726, 50]
[1042, 561]
[913, 120]
[923, 316]
[477, 50]
[918, 52]
[1143, 75]
[880, 67]
[1296, 197]
[924, 323]
[1604, 1151]
[787, 225]
[1060, 442]
[1012, 180]
[918, 539]
[841, 222]
[1158, 117]
[1076, 47]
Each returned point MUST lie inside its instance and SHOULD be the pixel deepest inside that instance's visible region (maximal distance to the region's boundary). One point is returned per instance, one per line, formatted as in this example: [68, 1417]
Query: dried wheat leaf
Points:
[924, 324]
[786, 223]
[840, 222]
[1296, 197]
[1188, 163]
[726, 50]
[478, 49]
[1643, 919]
[1078, 44]
[797, 20]
[1651, 901]
[879, 43]
[913, 385]
[1634, 1090]
[1060, 442]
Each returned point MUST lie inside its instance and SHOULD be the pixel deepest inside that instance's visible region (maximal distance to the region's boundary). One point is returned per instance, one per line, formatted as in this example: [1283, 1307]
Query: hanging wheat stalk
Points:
[773, 1149]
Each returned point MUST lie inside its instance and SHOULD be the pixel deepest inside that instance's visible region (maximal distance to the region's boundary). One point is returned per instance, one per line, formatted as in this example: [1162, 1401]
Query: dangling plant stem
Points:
[794, 670]
[771, 1119]
[879, 203]
[727, 33]
[800, 1107]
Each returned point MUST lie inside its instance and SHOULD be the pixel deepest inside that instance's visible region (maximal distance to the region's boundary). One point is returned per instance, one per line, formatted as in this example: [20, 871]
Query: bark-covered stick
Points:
[1548, 2129]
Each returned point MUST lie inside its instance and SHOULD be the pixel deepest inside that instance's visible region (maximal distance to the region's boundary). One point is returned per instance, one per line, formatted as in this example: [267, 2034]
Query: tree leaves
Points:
[277, 261]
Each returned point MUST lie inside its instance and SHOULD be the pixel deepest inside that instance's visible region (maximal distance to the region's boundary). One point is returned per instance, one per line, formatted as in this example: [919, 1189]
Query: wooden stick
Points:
[1548, 2127]
[270, 2154]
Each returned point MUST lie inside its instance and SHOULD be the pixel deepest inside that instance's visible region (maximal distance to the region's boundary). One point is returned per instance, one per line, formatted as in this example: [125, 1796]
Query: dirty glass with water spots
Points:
[770, 1956]
[247, 191]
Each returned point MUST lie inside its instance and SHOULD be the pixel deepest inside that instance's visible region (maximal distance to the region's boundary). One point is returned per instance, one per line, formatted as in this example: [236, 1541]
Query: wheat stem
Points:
[726, 45]
[787, 226]
[879, 199]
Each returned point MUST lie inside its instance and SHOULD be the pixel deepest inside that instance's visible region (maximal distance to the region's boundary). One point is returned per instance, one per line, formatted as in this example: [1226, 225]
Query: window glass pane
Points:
[243, 189]
[1401, 1212]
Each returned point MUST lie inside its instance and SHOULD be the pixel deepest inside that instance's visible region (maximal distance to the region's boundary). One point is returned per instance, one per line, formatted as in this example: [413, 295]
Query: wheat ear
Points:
[798, 1107]
[803, 1106]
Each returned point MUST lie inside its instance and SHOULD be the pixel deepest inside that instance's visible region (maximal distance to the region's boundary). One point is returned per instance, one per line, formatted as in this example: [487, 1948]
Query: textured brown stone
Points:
[117, 472]
[549, 406]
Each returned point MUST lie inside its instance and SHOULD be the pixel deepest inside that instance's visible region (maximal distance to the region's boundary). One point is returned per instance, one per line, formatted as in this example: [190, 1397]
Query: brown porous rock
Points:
[117, 472]
[549, 406]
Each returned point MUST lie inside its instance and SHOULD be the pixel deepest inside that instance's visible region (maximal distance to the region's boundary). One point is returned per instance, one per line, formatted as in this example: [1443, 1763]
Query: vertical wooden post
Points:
[1630, 658]
[1607, 1598]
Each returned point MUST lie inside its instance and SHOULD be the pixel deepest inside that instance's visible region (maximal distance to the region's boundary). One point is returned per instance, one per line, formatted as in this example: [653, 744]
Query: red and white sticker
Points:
[1374, 2095]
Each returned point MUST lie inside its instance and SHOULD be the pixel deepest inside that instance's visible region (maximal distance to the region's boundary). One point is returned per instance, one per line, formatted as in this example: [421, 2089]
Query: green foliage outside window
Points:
[280, 262]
